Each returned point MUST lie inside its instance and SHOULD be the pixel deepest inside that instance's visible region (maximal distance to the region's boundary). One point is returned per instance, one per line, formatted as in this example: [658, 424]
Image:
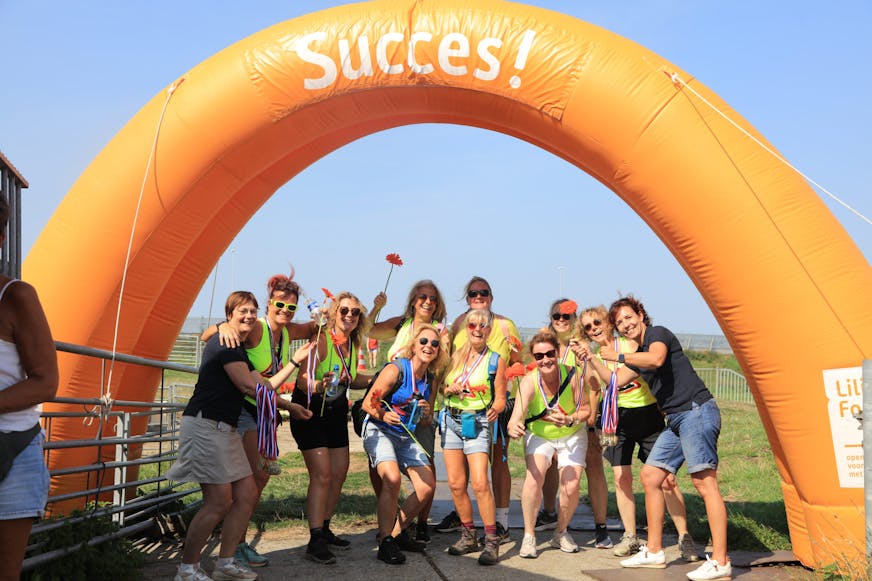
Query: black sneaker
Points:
[317, 551]
[422, 532]
[546, 521]
[406, 543]
[337, 542]
[449, 524]
[389, 551]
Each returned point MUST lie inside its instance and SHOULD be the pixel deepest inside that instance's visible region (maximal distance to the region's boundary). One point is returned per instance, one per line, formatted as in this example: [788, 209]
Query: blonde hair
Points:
[363, 323]
[437, 366]
[459, 357]
[600, 312]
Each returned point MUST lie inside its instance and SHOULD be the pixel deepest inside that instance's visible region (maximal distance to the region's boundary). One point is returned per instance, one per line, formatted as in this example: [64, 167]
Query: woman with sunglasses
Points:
[563, 326]
[550, 414]
[424, 308]
[395, 408]
[505, 340]
[475, 394]
[268, 347]
[323, 440]
[210, 451]
[693, 424]
[639, 423]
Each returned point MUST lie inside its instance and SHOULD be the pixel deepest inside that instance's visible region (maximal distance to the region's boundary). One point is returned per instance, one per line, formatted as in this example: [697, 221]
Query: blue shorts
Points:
[24, 491]
[386, 445]
[452, 439]
[690, 436]
[245, 423]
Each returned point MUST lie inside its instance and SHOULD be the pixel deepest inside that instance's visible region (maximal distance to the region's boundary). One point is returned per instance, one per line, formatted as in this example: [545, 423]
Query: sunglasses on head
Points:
[483, 293]
[474, 326]
[290, 307]
[355, 312]
[423, 297]
[560, 316]
[433, 342]
[549, 354]
[589, 326]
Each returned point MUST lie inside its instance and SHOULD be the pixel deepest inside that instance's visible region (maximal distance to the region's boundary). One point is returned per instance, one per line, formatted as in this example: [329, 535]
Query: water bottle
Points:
[414, 415]
[333, 390]
[315, 311]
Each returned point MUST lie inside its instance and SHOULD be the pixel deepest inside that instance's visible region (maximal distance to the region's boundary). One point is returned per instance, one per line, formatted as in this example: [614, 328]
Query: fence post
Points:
[122, 431]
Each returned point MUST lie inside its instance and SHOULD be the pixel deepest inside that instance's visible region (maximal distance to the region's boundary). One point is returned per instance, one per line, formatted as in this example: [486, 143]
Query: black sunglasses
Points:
[423, 297]
[433, 342]
[590, 326]
[558, 316]
[484, 293]
[549, 354]
[355, 312]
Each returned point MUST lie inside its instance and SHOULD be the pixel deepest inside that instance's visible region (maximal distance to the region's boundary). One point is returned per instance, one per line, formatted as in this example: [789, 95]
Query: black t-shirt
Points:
[675, 384]
[214, 394]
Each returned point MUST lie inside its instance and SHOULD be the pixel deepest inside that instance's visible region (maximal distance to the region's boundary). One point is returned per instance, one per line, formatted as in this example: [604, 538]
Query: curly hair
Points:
[631, 302]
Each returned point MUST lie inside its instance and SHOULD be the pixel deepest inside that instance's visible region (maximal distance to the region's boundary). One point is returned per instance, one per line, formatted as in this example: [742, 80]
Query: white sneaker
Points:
[712, 570]
[233, 571]
[646, 560]
[564, 542]
[197, 575]
[528, 547]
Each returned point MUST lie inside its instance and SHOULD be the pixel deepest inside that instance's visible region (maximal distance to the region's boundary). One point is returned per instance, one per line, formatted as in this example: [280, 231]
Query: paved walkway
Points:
[285, 548]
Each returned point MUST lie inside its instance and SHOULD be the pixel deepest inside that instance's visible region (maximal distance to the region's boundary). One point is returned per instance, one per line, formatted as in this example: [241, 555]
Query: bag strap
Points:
[554, 399]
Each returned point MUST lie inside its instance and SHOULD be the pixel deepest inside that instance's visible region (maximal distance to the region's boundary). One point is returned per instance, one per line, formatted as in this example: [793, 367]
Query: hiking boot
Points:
[528, 547]
[490, 554]
[405, 542]
[233, 571]
[336, 542]
[389, 551]
[645, 560]
[603, 541]
[687, 548]
[449, 524]
[712, 570]
[546, 521]
[502, 533]
[628, 545]
[247, 555]
[318, 551]
[564, 542]
[197, 575]
[468, 543]
[422, 532]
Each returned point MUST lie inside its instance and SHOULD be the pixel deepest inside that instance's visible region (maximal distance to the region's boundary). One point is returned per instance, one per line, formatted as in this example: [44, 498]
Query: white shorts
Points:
[570, 450]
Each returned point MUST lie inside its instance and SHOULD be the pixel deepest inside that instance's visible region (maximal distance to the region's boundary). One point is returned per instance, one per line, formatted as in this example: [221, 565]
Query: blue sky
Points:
[76, 72]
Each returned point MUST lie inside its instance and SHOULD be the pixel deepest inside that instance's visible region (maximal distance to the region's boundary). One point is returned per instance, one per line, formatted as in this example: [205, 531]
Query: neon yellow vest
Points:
[567, 403]
[479, 384]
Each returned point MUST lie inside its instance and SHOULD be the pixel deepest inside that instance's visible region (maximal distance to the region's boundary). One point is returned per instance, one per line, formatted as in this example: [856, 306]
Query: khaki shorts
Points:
[210, 452]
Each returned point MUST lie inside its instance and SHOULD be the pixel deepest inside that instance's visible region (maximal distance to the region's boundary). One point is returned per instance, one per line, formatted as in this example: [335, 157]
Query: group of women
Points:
[469, 396]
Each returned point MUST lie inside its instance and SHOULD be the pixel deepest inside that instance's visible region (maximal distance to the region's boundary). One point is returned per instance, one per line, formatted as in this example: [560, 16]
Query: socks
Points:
[468, 525]
[600, 527]
[222, 562]
[315, 533]
[503, 517]
[490, 529]
[189, 567]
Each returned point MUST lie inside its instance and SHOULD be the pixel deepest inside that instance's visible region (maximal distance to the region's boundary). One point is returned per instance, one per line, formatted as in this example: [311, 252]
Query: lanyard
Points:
[345, 366]
[463, 379]
[274, 350]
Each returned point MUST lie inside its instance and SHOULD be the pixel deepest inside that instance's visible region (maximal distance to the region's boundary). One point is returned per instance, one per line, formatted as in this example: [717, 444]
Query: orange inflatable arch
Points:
[785, 281]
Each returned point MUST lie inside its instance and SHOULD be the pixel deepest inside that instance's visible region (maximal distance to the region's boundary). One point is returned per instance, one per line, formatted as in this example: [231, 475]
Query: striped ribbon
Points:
[610, 406]
[267, 443]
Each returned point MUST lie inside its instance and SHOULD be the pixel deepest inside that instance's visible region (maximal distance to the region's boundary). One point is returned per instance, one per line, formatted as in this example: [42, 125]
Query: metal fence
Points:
[726, 384]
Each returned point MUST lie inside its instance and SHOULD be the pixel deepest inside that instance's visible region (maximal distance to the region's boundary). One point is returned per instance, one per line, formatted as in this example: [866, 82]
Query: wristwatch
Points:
[620, 357]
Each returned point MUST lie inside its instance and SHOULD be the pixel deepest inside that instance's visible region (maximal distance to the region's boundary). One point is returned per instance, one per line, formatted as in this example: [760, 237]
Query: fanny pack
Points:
[12, 444]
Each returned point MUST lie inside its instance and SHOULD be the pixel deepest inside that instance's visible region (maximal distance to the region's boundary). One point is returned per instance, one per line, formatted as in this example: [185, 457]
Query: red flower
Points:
[478, 388]
[394, 259]
[531, 366]
[328, 294]
[515, 370]
[513, 342]
[568, 307]
[338, 338]
[374, 399]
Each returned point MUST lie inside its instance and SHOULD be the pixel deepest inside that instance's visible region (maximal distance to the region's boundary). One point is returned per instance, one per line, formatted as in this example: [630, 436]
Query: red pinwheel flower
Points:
[515, 370]
[514, 342]
[328, 294]
[374, 400]
[531, 366]
[338, 338]
[394, 259]
[478, 388]
[568, 307]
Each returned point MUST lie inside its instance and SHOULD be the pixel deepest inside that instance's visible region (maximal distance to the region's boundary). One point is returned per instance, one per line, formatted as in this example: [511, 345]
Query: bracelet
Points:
[294, 363]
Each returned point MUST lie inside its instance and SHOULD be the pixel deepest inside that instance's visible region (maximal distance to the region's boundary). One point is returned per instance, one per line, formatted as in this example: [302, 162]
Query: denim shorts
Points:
[690, 436]
[452, 440]
[386, 445]
[246, 422]
[24, 491]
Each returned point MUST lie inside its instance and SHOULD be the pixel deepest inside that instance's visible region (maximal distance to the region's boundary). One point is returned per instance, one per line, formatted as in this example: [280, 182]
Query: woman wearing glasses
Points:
[639, 423]
[550, 414]
[424, 308]
[210, 451]
[475, 394]
[401, 398]
[268, 347]
[505, 340]
[563, 326]
[693, 424]
[323, 440]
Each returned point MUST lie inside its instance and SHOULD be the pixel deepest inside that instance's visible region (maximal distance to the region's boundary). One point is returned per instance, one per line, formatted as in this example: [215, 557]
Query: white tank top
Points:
[11, 373]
